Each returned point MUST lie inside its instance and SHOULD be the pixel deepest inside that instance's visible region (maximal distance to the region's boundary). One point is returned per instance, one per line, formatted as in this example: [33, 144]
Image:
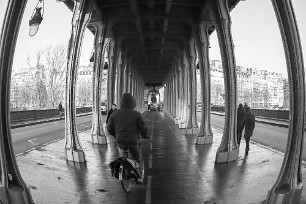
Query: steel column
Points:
[81, 16]
[205, 135]
[219, 12]
[97, 132]
[192, 119]
[111, 77]
[13, 190]
[288, 187]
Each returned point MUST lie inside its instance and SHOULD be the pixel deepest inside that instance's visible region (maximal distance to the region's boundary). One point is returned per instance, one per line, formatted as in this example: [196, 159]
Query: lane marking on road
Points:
[150, 161]
[148, 191]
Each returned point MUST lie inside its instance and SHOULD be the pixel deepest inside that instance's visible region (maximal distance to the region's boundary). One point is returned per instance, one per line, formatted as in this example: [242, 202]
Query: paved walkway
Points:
[177, 171]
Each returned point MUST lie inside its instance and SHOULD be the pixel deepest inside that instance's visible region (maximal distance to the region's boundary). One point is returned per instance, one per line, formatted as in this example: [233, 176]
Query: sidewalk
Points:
[40, 121]
[269, 121]
[181, 172]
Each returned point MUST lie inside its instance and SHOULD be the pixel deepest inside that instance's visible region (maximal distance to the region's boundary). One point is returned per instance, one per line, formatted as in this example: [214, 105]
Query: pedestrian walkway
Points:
[177, 171]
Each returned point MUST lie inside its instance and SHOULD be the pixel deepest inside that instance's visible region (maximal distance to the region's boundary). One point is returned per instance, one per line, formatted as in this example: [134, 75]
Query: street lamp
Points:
[92, 59]
[36, 18]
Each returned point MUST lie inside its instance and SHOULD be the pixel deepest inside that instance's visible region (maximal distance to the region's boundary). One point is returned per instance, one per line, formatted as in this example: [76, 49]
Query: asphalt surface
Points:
[28, 137]
[176, 171]
[268, 135]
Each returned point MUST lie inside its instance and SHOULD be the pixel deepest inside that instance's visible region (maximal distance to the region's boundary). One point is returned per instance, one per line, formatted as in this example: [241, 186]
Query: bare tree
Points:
[54, 72]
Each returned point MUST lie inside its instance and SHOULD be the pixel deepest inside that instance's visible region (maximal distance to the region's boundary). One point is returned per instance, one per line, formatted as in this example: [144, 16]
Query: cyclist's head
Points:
[127, 101]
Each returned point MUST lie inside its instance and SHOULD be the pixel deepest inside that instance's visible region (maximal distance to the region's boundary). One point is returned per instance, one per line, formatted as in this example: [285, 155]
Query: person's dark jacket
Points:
[240, 116]
[125, 124]
[109, 113]
[60, 107]
[249, 123]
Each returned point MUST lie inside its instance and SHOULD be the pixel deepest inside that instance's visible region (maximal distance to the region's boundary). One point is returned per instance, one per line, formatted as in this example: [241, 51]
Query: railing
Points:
[41, 114]
[276, 114]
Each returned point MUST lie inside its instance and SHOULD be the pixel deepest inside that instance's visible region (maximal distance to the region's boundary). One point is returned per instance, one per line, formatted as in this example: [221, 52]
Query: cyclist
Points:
[125, 125]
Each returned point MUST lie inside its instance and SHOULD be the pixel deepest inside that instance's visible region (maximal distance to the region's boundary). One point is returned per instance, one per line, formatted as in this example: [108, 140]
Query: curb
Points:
[44, 121]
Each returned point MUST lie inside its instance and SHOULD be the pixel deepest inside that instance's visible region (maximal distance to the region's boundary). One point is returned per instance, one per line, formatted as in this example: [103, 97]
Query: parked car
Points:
[103, 108]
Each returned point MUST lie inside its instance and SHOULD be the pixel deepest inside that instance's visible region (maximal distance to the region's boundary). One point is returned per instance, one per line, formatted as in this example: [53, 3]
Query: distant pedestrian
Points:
[111, 111]
[245, 106]
[240, 116]
[149, 107]
[60, 110]
[249, 125]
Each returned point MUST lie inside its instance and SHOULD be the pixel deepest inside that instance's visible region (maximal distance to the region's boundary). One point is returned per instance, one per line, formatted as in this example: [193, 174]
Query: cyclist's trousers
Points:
[134, 151]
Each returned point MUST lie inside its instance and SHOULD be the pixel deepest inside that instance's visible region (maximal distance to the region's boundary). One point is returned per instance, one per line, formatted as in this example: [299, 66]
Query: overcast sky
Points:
[254, 29]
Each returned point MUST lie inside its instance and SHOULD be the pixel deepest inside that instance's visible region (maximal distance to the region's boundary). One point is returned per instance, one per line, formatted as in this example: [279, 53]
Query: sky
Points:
[255, 33]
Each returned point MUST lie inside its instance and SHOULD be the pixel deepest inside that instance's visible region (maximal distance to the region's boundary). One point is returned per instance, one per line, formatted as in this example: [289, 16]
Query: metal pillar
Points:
[81, 16]
[111, 77]
[185, 97]
[128, 78]
[120, 82]
[13, 190]
[97, 132]
[177, 95]
[192, 122]
[288, 187]
[219, 12]
[180, 93]
[205, 135]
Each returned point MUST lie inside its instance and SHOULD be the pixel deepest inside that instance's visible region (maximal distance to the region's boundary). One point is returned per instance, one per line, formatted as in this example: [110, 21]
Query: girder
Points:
[153, 32]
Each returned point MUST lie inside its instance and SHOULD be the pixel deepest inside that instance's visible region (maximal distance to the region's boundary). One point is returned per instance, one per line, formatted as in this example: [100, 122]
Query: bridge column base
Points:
[227, 156]
[98, 139]
[16, 194]
[75, 155]
[182, 125]
[203, 140]
[284, 195]
[191, 131]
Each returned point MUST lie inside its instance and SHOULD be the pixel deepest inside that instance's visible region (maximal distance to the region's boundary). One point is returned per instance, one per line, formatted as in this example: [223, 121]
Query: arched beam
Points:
[12, 187]
[288, 187]
[219, 12]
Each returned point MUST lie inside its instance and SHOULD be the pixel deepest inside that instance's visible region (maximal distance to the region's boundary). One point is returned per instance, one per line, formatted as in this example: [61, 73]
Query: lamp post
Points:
[36, 18]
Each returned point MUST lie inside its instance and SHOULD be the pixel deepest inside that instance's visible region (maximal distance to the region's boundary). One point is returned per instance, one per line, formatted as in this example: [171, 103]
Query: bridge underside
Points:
[157, 44]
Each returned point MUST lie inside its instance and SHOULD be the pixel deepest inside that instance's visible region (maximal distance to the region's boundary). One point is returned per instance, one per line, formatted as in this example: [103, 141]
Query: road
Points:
[268, 135]
[29, 137]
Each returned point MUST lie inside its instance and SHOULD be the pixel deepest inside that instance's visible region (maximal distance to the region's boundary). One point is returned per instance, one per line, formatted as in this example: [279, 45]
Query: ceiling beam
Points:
[134, 7]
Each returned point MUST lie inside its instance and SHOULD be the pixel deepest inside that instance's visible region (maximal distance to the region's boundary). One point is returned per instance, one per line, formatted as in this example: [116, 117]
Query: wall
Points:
[40, 114]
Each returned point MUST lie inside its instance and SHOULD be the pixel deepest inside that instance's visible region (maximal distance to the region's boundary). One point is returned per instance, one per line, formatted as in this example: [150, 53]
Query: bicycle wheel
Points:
[141, 169]
[125, 183]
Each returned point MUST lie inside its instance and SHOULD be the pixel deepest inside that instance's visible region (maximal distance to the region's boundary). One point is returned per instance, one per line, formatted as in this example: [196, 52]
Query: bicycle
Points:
[127, 183]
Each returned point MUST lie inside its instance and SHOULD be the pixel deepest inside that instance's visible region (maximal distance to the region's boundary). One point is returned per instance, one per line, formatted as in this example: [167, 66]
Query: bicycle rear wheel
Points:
[126, 185]
[141, 169]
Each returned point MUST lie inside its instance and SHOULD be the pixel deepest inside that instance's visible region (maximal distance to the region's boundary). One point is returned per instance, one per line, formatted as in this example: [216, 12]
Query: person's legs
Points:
[239, 137]
[135, 153]
[247, 141]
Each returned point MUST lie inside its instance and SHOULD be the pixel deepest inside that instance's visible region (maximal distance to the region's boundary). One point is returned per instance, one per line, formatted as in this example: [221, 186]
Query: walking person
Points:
[111, 111]
[240, 116]
[249, 125]
[126, 125]
[60, 110]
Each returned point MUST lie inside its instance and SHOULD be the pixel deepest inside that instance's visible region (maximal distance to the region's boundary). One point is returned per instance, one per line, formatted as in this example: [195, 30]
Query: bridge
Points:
[149, 45]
